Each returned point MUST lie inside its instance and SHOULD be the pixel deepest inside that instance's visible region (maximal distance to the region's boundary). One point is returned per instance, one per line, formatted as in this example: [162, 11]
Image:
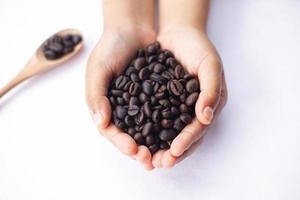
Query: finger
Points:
[143, 155]
[98, 76]
[157, 157]
[209, 75]
[168, 160]
[148, 166]
[187, 136]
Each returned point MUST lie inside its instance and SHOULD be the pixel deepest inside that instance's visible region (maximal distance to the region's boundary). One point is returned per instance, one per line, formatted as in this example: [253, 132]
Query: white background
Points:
[49, 148]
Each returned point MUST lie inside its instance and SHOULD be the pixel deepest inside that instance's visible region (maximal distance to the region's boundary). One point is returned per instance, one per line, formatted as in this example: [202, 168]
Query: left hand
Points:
[199, 57]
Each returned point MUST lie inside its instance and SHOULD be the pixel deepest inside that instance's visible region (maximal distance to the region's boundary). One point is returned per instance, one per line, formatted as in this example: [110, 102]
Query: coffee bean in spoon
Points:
[58, 46]
[154, 99]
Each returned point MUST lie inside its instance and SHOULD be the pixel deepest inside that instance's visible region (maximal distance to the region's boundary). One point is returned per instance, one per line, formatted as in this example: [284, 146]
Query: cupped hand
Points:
[108, 59]
[199, 57]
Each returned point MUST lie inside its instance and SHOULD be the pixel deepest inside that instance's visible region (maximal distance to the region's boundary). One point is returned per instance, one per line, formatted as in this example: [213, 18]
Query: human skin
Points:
[129, 25]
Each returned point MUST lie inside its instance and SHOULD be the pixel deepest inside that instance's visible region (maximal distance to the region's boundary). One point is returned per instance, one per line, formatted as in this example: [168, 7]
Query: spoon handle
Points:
[13, 83]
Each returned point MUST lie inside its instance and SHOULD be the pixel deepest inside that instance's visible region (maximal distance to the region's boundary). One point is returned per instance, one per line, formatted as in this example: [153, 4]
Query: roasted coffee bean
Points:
[176, 88]
[131, 131]
[164, 145]
[139, 138]
[158, 78]
[156, 116]
[164, 102]
[143, 98]
[150, 140]
[166, 123]
[126, 97]
[121, 81]
[139, 63]
[174, 101]
[76, 38]
[179, 72]
[129, 121]
[133, 101]
[144, 73]
[186, 118]
[51, 55]
[191, 99]
[134, 77]
[192, 86]
[153, 148]
[178, 124]
[120, 101]
[175, 111]
[154, 99]
[56, 47]
[139, 118]
[121, 112]
[158, 68]
[147, 87]
[134, 89]
[133, 110]
[183, 108]
[147, 129]
[167, 134]
[117, 93]
[147, 109]
[130, 70]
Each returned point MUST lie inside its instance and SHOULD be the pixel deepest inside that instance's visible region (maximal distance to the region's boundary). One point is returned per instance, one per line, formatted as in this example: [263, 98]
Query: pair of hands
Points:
[196, 54]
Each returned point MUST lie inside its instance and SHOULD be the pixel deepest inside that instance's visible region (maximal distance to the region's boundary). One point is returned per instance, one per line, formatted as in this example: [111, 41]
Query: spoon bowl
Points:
[38, 63]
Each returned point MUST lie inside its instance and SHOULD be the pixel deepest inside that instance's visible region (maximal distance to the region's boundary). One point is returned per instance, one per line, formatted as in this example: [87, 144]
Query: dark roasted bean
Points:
[178, 124]
[147, 109]
[143, 97]
[192, 86]
[134, 89]
[147, 129]
[129, 121]
[164, 102]
[166, 123]
[158, 78]
[186, 118]
[153, 148]
[126, 96]
[150, 140]
[183, 108]
[133, 110]
[139, 118]
[156, 116]
[176, 88]
[191, 99]
[158, 68]
[134, 77]
[144, 73]
[174, 101]
[121, 81]
[131, 131]
[167, 134]
[133, 101]
[147, 87]
[139, 63]
[117, 93]
[179, 72]
[121, 112]
[139, 138]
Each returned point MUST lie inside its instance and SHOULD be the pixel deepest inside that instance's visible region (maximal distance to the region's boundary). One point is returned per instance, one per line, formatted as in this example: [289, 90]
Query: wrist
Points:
[180, 26]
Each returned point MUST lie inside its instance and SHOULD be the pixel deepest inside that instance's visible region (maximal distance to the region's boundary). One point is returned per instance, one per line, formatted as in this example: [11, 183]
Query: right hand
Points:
[108, 59]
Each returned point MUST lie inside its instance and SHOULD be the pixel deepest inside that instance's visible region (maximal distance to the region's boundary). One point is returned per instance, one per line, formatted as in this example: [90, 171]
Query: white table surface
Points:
[49, 148]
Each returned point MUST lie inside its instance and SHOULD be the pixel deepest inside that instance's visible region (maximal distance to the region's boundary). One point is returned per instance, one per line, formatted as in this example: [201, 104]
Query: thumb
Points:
[97, 81]
[210, 75]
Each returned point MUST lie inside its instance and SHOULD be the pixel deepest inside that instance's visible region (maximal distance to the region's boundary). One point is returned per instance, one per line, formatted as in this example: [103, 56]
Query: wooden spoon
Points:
[39, 63]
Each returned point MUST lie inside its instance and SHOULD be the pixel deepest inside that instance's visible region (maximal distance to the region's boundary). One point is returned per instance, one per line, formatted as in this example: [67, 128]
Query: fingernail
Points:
[208, 113]
[98, 118]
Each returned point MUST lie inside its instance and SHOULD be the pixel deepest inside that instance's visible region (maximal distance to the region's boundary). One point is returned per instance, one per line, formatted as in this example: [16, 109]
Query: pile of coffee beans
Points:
[58, 46]
[154, 99]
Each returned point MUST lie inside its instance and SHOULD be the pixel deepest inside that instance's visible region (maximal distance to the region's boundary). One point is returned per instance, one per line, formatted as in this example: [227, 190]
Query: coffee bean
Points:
[144, 73]
[129, 121]
[51, 55]
[153, 48]
[147, 109]
[131, 131]
[120, 124]
[150, 140]
[182, 97]
[139, 63]
[192, 86]
[153, 148]
[126, 97]
[76, 39]
[140, 53]
[139, 118]
[161, 57]
[121, 81]
[179, 72]
[147, 129]
[164, 145]
[166, 123]
[158, 78]
[158, 68]
[133, 110]
[147, 87]
[160, 95]
[166, 114]
[168, 53]
[151, 59]
[154, 101]
[56, 47]
[178, 124]
[113, 101]
[130, 70]
[120, 101]
[176, 87]
[151, 66]
[191, 99]
[183, 108]
[156, 116]
[134, 77]
[167, 75]
[174, 111]
[174, 101]
[143, 97]
[121, 112]
[134, 89]
[164, 102]
[167, 134]
[117, 93]
[139, 138]
[133, 101]
[186, 118]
